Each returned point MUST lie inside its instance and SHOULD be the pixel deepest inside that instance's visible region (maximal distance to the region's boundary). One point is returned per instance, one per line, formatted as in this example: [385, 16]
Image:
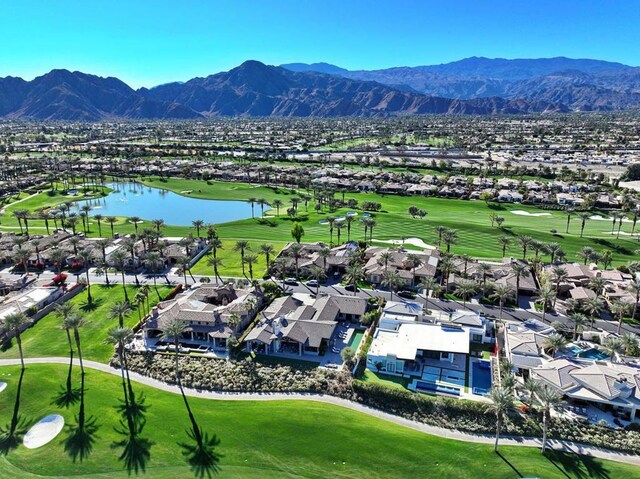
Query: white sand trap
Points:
[412, 241]
[526, 213]
[622, 233]
[43, 431]
[3, 386]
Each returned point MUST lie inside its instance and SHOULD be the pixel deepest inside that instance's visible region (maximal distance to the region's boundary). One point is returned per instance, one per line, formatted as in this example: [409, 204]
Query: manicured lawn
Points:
[384, 379]
[232, 266]
[46, 338]
[470, 219]
[279, 439]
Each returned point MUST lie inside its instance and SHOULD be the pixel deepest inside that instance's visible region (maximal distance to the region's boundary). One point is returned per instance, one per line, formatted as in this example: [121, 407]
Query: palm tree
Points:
[413, 261]
[21, 256]
[634, 287]
[586, 253]
[277, 204]
[135, 220]
[317, 272]
[524, 242]
[501, 404]
[64, 310]
[450, 237]
[559, 275]
[267, 250]
[546, 297]
[15, 322]
[331, 220]
[519, 270]
[428, 283]
[384, 259]
[597, 284]
[594, 307]
[86, 255]
[630, 343]
[579, 321]
[569, 214]
[99, 219]
[465, 290]
[295, 251]
[324, 253]
[74, 322]
[215, 263]
[393, 281]
[242, 246]
[354, 274]
[119, 337]
[120, 310]
[252, 201]
[119, 258]
[157, 223]
[172, 330]
[530, 387]
[504, 243]
[250, 259]
[112, 220]
[339, 226]
[553, 249]
[152, 263]
[619, 309]
[548, 399]
[440, 230]
[613, 347]
[583, 221]
[184, 266]
[554, 343]
[197, 224]
[347, 221]
[502, 293]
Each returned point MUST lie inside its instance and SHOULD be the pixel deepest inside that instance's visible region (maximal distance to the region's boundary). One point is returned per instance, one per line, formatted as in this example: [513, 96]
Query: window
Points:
[391, 367]
[476, 338]
[444, 356]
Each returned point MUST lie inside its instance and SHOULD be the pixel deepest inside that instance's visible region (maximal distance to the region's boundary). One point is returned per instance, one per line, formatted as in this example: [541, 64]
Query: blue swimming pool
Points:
[593, 353]
[481, 377]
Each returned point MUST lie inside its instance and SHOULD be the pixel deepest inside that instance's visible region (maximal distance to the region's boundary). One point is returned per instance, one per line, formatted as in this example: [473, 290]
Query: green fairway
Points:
[476, 236]
[46, 338]
[263, 439]
[232, 265]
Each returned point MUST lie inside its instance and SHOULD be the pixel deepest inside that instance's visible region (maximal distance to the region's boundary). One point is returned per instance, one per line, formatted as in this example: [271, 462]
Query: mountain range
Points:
[472, 86]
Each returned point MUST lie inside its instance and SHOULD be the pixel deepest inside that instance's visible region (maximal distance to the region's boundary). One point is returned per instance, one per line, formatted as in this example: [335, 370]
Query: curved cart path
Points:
[417, 426]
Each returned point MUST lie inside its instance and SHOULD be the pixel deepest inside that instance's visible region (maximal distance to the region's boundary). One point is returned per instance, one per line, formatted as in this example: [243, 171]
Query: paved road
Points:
[336, 288]
[416, 426]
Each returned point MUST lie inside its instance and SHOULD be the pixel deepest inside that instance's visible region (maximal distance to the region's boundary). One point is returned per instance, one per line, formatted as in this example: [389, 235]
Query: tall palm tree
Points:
[86, 255]
[531, 387]
[465, 290]
[502, 293]
[428, 283]
[548, 399]
[295, 251]
[119, 310]
[546, 296]
[597, 284]
[559, 275]
[569, 212]
[197, 224]
[594, 307]
[14, 322]
[99, 219]
[277, 204]
[440, 231]
[501, 403]
[64, 310]
[112, 220]
[413, 261]
[524, 242]
[519, 270]
[634, 288]
[630, 343]
[613, 347]
[554, 343]
[215, 263]
[172, 330]
[157, 223]
[74, 322]
[619, 309]
[579, 321]
[331, 220]
[135, 220]
[242, 246]
[184, 266]
[450, 237]
[119, 258]
[250, 259]
[583, 221]
[317, 272]
[267, 250]
[347, 221]
[354, 274]
[393, 281]
[21, 256]
[504, 243]
[552, 250]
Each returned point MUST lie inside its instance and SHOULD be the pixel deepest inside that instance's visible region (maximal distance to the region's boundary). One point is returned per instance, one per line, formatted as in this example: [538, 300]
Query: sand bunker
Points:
[3, 386]
[526, 213]
[600, 218]
[412, 241]
[43, 431]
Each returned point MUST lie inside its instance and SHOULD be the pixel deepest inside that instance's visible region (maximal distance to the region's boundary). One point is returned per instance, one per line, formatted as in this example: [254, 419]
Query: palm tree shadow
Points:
[200, 451]
[136, 450]
[88, 307]
[11, 435]
[581, 467]
[79, 442]
[67, 395]
[509, 464]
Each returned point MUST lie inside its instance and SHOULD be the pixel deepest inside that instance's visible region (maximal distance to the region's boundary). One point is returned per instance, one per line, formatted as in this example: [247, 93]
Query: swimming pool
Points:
[593, 353]
[481, 377]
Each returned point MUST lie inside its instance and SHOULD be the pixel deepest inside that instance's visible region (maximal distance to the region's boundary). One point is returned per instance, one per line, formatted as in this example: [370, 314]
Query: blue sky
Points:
[151, 42]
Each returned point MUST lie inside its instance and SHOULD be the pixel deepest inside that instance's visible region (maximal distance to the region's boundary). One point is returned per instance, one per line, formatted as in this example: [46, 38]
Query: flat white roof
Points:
[409, 338]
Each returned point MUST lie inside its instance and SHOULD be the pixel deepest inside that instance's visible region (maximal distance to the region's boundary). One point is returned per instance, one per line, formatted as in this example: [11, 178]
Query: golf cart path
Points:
[18, 201]
[558, 445]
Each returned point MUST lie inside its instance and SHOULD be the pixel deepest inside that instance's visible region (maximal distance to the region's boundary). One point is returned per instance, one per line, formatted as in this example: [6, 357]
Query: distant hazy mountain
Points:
[473, 86]
[577, 83]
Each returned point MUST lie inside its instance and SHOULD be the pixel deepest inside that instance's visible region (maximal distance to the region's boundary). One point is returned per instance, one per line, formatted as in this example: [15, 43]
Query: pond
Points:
[133, 199]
